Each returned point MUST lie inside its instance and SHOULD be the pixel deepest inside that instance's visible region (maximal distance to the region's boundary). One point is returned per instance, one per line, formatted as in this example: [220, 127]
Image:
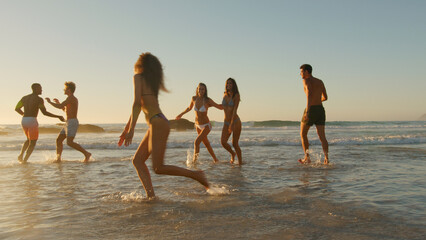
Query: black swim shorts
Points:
[316, 116]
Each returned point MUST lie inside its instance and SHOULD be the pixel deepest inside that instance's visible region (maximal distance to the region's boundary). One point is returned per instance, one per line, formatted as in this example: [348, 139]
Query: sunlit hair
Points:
[34, 86]
[70, 86]
[306, 67]
[234, 87]
[205, 87]
[151, 69]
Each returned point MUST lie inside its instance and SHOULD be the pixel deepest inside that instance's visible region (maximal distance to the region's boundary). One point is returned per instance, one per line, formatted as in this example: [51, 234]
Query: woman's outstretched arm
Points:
[191, 105]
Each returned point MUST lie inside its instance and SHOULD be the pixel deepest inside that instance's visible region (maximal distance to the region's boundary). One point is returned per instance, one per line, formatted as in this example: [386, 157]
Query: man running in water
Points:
[70, 106]
[31, 104]
[314, 112]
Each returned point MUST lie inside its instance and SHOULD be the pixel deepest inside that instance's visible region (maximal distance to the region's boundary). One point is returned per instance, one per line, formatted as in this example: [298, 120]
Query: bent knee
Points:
[158, 169]
[136, 162]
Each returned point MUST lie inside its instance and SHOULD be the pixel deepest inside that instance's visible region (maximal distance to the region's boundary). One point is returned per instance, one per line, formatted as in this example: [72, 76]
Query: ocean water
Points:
[374, 188]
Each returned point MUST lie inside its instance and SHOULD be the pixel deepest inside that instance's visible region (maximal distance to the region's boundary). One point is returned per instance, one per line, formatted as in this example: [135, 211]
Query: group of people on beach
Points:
[231, 125]
[32, 103]
[148, 81]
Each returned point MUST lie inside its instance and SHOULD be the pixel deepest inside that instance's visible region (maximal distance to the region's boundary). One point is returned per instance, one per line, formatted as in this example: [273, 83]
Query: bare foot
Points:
[326, 162]
[201, 177]
[20, 159]
[195, 158]
[58, 159]
[232, 158]
[87, 157]
[305, 160]
[120, 141]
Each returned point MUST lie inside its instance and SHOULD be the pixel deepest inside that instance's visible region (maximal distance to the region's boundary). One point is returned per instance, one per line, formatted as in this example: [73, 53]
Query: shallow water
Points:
[373, 189]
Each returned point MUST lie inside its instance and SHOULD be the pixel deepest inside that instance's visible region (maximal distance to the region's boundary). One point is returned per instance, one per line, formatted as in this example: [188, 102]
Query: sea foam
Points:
[217, 191]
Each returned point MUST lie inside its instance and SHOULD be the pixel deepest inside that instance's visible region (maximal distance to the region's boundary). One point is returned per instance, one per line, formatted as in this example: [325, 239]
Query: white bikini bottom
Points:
[202, 126]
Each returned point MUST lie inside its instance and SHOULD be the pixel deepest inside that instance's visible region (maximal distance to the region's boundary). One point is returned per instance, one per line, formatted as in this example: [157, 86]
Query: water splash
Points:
[189, 158]
[49, 156]
[217, 191]
[134, 196]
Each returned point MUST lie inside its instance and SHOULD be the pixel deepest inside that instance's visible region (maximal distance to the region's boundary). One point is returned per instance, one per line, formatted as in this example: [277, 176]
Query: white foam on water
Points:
[189, 158]
[134, 196]
[218, 191]
[49, 156]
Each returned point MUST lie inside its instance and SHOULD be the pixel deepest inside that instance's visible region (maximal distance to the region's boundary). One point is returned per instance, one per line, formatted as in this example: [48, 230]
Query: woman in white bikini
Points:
[201, 102]
[232, 123]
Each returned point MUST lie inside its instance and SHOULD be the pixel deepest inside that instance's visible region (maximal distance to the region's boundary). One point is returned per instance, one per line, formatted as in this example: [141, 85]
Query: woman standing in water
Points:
[201, 102]
[232, 123]
[147, 81]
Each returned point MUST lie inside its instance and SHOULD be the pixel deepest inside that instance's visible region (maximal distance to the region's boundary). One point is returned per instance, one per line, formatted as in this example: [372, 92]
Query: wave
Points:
[109, 144]
[12, 129]
[276, 123]
[82, 128]
[86, 128]
[346, 124]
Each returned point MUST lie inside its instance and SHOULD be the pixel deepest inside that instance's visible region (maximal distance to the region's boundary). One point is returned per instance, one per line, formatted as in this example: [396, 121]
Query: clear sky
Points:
[370, 54]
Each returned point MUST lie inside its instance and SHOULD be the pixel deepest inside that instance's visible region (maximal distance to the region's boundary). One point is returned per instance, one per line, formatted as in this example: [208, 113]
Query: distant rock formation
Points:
[82, 128]
[181, 124]
[89, 128]
[49, 130]
[423, 118]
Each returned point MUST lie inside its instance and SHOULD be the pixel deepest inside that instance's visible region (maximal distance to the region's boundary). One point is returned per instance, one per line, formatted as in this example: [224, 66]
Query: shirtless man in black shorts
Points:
[314, 112]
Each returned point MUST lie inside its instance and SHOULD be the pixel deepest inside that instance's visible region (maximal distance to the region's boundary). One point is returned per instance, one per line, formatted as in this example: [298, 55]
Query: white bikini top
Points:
[202, 108]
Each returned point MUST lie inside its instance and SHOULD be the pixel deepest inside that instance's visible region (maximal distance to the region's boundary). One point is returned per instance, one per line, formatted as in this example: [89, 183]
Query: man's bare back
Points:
[315, 91]
[31, 104]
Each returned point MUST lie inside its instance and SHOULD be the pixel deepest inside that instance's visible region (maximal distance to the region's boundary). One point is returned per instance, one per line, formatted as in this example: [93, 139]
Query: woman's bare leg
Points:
[159, 132]
[196, 146]
[202, 137]
[235, 138]
[224, 142]
[210, 149]
[139, 160]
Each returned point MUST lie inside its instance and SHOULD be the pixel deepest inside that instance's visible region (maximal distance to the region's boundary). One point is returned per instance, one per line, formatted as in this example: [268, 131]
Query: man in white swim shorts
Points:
[71, 127]
[31, 104]
[70, 106]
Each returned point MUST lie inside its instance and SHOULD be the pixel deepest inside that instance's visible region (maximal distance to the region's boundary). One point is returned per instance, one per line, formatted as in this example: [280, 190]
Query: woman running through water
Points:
[201, 102]
[232, 123]
[147, 81]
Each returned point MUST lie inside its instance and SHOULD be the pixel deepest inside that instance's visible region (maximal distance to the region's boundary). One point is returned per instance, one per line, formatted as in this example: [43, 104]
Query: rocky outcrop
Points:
[82, 128]
[181, 124]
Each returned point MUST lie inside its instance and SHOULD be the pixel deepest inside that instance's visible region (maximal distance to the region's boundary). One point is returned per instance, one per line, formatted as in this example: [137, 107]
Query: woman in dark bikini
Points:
[232, 123]
[201, 102]
[148, 80]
